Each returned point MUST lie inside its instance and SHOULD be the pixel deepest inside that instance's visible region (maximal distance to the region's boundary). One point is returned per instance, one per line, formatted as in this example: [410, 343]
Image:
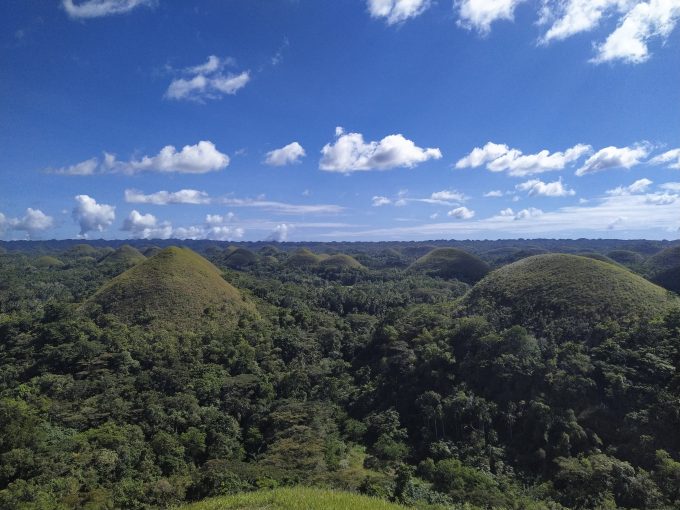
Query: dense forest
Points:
[536, 374]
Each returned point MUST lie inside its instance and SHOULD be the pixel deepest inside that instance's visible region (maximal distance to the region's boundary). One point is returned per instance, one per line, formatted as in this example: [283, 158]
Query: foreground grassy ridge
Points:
[568, 289]
[299, 498]
[452, 263]
[177, 286]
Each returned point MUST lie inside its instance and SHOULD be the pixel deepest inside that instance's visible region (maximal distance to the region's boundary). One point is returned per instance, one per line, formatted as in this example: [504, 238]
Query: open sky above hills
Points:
[347, 120]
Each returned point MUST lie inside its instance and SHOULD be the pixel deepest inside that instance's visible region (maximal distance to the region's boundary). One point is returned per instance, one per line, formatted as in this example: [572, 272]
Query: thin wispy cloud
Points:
[99, 8]
[207, 81]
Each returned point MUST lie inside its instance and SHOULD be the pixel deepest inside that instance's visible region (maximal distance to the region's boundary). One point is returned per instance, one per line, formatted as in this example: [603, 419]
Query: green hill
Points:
[177, 287]
[340, 261]
[664, 260]
[47, 261]
[82, 250]
[669, 279]
[597, 256]
[239, 258]
[567, 292]
[126, 256]
[626, 257]
[152, 251]
[452, 263]
[298, 498]
[303, 258]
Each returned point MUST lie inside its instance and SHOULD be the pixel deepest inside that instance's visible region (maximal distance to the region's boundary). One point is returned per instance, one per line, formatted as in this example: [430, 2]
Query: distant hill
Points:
[452, 263]
[664, 260]
[177, 287]
[669, 279]
[82, 250]
[46, 261]
[626, 257]
[296, 498]
[340, 261]
[238, 258]
[303, 258]
[126, 255]
[564, 291]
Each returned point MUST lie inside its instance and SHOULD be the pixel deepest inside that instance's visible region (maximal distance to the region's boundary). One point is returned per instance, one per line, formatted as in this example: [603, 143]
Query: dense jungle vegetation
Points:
[431, 375]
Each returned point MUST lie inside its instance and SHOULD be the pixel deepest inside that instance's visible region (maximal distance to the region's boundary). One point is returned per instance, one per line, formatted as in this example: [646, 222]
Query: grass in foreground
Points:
[298, 498]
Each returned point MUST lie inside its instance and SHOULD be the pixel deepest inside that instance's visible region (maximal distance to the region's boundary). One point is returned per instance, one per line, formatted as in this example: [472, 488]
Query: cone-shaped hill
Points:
[452, 263]
[663, 268]
[240, 257]
[47, 261]
[564, 293]
[626, 257]
[126, 255]
[303, 258]
[339, 262]
[176, 287]
[664, 260]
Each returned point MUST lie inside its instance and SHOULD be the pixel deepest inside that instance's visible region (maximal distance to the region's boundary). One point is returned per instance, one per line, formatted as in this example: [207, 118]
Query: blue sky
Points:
[346, 120]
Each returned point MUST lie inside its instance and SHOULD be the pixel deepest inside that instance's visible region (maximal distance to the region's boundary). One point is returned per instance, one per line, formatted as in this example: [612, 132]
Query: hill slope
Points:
[340, 261]
[452, 263]
[177, 286]
[126, 255]
[298, 498]
[567, 292]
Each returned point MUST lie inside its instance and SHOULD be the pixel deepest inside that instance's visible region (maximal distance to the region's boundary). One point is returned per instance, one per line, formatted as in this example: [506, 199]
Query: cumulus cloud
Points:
[646, 20]
[350, 153]
[461, 213]
[536, 187]
[146, 226]
[207, 81]
[669, 158]
[397, 11]
[183, 196]
[569, 17]
[639, 186]
[670, 186]
[613, 157]
[100, 8]
[493, 194]
[379, 201]
[32, 223]
[200, 158]
[480, 14]
[280, 233]
[92, 216]
[291, 153]
[501, 158]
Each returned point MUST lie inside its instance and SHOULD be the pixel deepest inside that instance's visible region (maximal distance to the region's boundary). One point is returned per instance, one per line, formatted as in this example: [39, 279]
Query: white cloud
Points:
[570, 17]
[646, 20]
[501, 158]
[379, 201]
[218, 219]
[397, 11]
[639, 186]
[92, 216]
[280, 233]
[531, 212]
[536, 187]
[146, 226]
[33, 222]
[183, 196]
[480, 14]
[613, 157]
[100, 8]
[461, 213]
[669, 158]
[350, 153]
[670, 186]
[200, 158]
[282, 207]
[291, 153]
[447, 196]
[493, 194]
[207, 81]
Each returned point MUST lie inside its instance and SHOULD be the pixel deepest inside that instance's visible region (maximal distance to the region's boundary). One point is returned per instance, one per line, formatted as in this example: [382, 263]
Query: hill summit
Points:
[177, 286]
[452, 263]
[566, 293]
